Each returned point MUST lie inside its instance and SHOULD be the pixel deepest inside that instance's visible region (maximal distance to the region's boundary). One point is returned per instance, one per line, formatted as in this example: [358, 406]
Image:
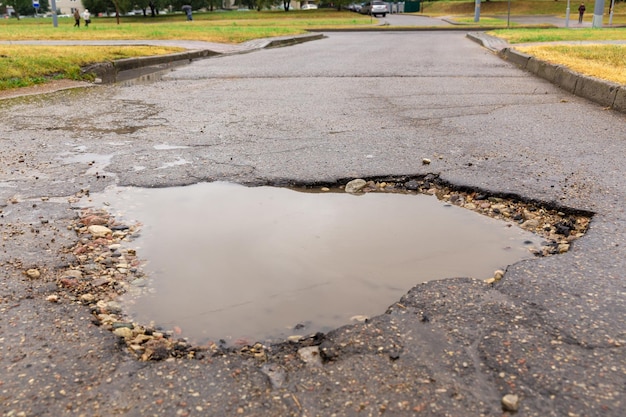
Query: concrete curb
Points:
[605, 93]
[111, 72]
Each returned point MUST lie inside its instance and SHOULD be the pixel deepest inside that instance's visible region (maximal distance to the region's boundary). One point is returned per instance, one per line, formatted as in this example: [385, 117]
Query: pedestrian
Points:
[581, 12]
[76, 18]
[87, 17]
[187, 9]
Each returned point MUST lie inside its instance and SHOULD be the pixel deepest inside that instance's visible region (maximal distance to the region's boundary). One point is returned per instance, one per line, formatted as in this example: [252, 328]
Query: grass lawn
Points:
[560, 34]
[223, 27]
[607, 62]
[27, 65]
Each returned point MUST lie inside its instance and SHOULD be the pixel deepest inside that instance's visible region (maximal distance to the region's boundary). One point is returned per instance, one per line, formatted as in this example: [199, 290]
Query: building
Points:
[68, 6]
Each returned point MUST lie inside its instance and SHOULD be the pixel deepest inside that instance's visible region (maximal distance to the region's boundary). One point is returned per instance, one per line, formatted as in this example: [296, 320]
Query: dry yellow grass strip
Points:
[607, 62]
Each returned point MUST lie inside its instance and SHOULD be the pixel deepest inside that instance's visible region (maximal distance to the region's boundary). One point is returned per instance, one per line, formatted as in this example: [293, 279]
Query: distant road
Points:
[412, 20]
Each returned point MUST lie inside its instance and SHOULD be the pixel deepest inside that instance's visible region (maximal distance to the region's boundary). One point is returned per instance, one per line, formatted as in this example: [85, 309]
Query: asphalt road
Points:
[350, 105]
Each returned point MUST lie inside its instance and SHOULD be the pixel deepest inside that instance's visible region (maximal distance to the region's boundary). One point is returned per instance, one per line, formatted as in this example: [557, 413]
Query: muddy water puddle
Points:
[230, 262]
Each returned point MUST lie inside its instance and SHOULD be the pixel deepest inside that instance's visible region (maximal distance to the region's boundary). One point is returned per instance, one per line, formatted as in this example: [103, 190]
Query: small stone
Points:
[295, 338]
[412, 185]
[113, 307]
[355, 186]
[426, 161]
[99, 231]
[87, 298]
[53, 298]
[72, 273]
[275, 374]
[530, 224]
[510, 402]
[325, 189]
[139, 282]
[123, 332]
[563, 247]
[497, 275]
[33, 273]
[310, 355]
[94, 220]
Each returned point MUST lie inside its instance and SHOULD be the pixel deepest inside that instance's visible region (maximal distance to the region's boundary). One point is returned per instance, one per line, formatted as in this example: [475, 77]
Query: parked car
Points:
[375, 8]
[308, 6]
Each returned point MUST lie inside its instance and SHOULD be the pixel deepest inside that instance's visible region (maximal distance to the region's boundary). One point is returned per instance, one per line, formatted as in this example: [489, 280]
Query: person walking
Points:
[581, 12]
[87, 17]
[76, 18]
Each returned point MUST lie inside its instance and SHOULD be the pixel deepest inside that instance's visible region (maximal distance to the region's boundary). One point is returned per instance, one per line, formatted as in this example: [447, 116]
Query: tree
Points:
[25, 7]
[108, 6]
[286, 5]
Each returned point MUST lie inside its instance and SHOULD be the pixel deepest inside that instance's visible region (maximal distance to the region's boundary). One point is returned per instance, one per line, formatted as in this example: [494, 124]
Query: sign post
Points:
[36, 6]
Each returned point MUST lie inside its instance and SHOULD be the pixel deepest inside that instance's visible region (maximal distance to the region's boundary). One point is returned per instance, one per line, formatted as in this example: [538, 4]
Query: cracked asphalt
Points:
[551, 332]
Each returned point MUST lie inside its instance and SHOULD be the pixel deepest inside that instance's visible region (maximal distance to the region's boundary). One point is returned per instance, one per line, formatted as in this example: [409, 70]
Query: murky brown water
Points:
[232, 262]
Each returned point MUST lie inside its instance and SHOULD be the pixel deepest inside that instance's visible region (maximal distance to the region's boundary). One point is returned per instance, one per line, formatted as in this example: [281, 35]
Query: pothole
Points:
[222, 264]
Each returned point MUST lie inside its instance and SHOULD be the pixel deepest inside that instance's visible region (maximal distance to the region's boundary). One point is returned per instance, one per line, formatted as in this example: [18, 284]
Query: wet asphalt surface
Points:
[552, 331]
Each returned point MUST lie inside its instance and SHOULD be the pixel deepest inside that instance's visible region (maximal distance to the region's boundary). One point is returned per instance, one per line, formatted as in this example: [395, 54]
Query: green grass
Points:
[27, 65]
[559, 34]
[227, 27]
[484, 21]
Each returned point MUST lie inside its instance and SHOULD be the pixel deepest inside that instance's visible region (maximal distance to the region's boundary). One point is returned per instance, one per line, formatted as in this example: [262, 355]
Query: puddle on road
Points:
[230, 262]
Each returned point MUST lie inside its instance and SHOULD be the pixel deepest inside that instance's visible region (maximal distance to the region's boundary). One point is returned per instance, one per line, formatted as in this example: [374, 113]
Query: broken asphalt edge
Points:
[605, 93]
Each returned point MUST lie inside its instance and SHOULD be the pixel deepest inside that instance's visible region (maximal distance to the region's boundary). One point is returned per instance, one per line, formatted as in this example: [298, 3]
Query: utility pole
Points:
[598, 10]
[477, 11]
[55, 18]
[611, 13]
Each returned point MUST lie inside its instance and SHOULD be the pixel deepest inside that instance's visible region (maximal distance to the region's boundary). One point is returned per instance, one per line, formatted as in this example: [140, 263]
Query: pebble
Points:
[497, 275]
[310, 355]
[355, 186]
[53, 298]
[87, 298]
[72, 273]
[33, 273]
[123, 332]
[275, 374]
[99, 231]
[426, 161]
[510, 402]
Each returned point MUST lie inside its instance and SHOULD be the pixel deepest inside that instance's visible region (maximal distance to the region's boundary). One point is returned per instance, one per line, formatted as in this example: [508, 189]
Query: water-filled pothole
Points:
[228, 262]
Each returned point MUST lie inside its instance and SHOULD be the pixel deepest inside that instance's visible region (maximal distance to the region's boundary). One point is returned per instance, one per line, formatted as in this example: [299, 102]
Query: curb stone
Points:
[111, 72]
[605, 93]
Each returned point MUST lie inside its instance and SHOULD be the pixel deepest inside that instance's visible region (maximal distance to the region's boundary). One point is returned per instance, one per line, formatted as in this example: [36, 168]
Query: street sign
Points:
[36, 4]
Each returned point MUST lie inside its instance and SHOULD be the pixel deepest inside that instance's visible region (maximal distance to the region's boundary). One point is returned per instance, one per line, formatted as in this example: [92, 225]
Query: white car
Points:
[375, 8]
[308, 6]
